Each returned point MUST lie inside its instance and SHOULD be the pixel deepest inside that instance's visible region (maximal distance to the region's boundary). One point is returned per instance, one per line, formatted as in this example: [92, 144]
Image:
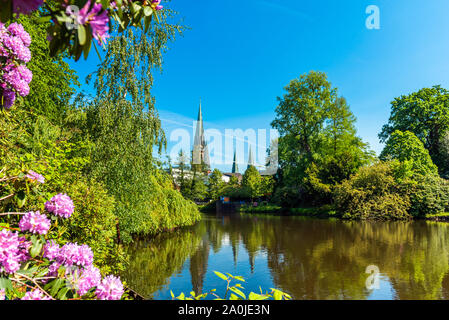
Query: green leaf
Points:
[255, 296]
[21, 198]
[5, 283]
[62, 294]
[239, 278]
[88, 45]
[147, 23]
[277, 295]
[36, 248]
[147, 11]
[221, 275]
[6, 12]
[237, 291]
[81, 34]
[56, 285]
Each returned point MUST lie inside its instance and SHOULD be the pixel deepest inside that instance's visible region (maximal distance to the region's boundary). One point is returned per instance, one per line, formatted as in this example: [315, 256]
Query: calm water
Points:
[307, 258]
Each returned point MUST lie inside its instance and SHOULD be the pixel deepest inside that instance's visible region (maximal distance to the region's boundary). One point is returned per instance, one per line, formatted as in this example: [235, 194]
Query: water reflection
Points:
[308, 258]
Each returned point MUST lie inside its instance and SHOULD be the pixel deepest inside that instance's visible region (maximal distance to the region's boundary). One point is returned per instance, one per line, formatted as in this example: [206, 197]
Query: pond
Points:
[307, 258]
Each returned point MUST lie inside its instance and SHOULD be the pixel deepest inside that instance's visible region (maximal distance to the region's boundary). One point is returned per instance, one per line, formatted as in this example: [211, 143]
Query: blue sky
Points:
[239, 55]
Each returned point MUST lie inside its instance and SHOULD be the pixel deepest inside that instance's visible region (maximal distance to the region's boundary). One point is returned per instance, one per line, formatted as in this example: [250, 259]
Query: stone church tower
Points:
[200, 152]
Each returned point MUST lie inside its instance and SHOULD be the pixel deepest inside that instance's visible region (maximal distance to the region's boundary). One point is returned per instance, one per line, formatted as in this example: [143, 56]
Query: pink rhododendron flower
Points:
[34, 176]
[8, 98]
[2, 294]
[89, 278]
[13, 251]
[73, 254]
[51, 250]
[99, 23]
[110, 288]
[60, 205]
[155, 4]
[35, 295]
[15, 76]
[17, 48]
[17, 30]
[35, 222]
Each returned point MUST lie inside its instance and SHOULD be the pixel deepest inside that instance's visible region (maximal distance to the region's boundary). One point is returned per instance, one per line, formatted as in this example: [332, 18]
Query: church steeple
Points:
[200, 154]
[235, 167]
[250, 158]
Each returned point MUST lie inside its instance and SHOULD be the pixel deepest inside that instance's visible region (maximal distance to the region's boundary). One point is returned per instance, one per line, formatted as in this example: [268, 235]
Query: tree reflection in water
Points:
[307, 258]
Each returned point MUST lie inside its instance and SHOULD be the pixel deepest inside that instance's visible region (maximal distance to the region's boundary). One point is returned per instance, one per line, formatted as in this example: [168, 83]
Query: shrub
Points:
[95, 224]
[372, 193]
[36, 255]
[61, 164]
[161, 208]
[430, 195]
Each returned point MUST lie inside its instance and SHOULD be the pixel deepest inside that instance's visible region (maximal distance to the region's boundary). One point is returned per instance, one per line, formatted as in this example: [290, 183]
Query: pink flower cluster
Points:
[34, 176]
[35, 222]
[77, 259]
[155, 4]
[60, 205]
[110, 288]
[97, 18]
[13, 251]
[90, 278]
[73, 255]
[35, 295]
[14, 75]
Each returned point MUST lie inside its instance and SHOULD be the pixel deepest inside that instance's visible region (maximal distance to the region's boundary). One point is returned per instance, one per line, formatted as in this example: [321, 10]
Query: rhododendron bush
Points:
[76, 23]
[14, 54]
[34, 266]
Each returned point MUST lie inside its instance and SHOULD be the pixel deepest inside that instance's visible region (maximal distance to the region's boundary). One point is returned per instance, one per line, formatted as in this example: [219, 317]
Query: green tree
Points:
[198, 188]
[215, 184]
[426, 114]
[318, 146]
[253, 182]
[182, 170]
[406, 147]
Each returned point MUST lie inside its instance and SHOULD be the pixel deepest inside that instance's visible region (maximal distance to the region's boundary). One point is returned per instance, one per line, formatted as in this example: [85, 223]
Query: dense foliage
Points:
[373, 193]
[39, 263]
[321, 161]
[318, 146]
[99, 151]
[426, 114]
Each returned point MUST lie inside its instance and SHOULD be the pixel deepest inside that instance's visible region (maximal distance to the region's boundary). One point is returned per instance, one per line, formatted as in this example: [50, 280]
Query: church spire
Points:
[200, 152]
[235, 167]
[250, 158]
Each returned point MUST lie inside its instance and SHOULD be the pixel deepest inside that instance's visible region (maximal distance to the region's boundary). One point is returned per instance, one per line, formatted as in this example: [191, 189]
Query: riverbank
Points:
[267, 251]
[325, 211]
[441, 217]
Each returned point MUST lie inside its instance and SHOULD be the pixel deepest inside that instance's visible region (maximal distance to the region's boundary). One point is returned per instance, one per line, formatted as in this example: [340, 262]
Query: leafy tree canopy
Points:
[426, 114]
[405, 146]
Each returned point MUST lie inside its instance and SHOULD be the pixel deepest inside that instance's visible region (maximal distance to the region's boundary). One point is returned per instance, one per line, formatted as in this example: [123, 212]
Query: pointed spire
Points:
[250, 158]
[199, 133]
[200, 115]
[200, 151]
[235, 167]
